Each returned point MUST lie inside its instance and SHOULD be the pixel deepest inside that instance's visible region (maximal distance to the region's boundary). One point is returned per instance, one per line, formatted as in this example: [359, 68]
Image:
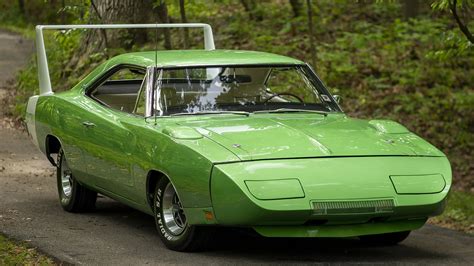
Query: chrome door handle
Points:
[88, 124]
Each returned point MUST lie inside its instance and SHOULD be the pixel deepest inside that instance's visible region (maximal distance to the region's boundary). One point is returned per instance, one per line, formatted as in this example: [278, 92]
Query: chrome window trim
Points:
[150, 75]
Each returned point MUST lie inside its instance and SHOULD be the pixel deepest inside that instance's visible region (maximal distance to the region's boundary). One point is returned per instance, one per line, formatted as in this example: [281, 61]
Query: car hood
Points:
[276, 136]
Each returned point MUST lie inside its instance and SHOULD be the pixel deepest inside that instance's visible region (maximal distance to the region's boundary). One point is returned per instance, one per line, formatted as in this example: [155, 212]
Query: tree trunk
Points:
[252, 9]
[112, 12]
[411, 8]
[162, 11]
[182, 12]
[296, 7]
[126, 12]
[247, 8]
[63, 12]
[21, 7]
[311, 33]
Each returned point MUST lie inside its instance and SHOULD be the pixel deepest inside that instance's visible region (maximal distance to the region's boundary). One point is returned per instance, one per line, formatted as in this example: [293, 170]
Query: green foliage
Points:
[456, 44]
[17, 254]
[443, 5]
[459, 212]
[11, 14]
[42, 12]
[61, 47]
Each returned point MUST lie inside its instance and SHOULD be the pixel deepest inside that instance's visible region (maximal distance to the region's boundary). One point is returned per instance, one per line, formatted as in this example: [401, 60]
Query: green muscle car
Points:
[207, 138]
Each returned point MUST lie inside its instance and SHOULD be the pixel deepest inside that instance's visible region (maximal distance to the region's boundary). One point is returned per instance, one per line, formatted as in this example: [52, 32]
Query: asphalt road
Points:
[116, 234]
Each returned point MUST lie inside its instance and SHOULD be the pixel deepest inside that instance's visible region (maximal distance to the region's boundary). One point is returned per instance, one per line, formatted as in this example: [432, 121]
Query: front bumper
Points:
[351, 181]
[343, 230]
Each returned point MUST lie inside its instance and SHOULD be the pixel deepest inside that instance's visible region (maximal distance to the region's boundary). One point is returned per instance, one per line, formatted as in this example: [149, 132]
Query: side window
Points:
[120, 90]
[141, 100]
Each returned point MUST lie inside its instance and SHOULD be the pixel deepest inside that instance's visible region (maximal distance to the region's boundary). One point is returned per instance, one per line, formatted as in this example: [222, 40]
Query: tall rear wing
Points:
[42, 60]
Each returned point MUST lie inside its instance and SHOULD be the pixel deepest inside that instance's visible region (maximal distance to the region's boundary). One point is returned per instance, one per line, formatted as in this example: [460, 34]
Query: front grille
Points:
[353, 207]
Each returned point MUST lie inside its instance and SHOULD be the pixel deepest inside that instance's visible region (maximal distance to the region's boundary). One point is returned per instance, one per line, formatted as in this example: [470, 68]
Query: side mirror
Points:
[338, 98]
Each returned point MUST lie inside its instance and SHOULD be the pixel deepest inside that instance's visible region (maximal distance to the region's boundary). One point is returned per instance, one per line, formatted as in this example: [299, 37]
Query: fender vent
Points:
[353, 207]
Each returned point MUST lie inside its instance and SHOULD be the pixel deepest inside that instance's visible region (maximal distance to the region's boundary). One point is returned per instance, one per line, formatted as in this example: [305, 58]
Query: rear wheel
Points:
[171, 222]
[73, 196]
[388, 239]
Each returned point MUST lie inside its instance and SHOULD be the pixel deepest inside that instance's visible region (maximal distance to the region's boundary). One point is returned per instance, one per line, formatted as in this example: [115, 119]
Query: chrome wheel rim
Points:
[173, 214]
[66, 180]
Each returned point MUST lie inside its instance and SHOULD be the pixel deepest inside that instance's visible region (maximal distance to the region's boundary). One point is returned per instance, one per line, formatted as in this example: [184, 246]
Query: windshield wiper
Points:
[213, 113]
[289, 110]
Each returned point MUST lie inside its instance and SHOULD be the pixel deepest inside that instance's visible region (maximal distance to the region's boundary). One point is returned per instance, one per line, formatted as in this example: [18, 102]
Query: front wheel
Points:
[388, 239]
[171, 222]
[73, 196]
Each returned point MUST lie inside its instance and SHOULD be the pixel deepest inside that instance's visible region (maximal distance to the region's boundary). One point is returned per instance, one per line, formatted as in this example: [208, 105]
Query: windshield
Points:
[237, 88]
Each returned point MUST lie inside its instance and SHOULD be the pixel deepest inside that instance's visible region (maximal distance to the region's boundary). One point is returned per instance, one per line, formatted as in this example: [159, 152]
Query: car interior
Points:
[124, 89]
[120, 90]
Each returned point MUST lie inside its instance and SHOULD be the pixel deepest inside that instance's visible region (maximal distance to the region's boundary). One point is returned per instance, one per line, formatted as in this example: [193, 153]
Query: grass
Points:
[459, 212]
[13, 253]
[27, 32]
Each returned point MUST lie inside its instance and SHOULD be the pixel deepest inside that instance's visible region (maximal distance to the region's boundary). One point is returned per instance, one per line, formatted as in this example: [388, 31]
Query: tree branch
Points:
[311, 33]
[462, 27]
[102, 31]
[182, 11]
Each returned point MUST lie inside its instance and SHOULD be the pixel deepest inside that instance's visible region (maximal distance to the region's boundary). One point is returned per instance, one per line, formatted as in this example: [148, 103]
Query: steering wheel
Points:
[284, 93]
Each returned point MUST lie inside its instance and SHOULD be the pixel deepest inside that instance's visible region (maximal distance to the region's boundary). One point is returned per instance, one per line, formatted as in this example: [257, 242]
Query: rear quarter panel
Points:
[58, 115]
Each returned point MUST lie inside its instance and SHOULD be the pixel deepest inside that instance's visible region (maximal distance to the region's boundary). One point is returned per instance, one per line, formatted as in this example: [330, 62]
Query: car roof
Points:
[178, 58]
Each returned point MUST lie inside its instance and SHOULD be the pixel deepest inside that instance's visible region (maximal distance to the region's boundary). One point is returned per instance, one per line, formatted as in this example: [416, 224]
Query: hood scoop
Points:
[182, 132]
[389, 127]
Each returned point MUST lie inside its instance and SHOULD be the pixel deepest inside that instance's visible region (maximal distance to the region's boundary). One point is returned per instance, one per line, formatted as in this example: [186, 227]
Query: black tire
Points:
[190, 237]
[388, 239]
[75, 197]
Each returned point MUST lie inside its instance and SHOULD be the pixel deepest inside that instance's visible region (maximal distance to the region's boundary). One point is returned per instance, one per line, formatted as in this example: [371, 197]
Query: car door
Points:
[108, 141]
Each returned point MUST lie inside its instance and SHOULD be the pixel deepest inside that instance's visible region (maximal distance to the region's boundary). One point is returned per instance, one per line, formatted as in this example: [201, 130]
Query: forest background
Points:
[411, 61]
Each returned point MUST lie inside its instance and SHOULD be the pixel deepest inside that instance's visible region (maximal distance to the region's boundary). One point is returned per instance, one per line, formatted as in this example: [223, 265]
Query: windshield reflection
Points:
[240, 88]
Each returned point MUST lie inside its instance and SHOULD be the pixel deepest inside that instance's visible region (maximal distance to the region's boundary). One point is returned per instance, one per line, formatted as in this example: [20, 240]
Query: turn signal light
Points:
[208, 215]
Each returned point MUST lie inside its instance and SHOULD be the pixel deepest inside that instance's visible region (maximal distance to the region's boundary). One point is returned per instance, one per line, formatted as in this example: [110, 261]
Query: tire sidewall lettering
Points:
[158, 218]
